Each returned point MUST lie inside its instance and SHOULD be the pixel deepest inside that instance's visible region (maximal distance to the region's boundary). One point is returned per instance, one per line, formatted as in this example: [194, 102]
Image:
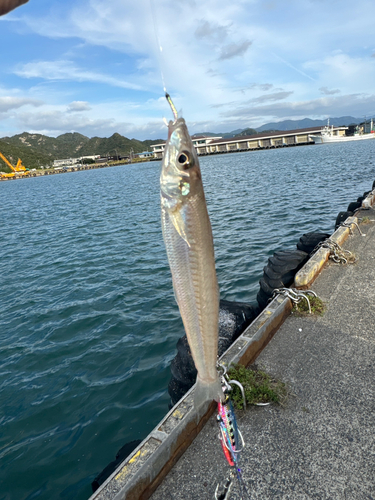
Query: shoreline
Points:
[94, 166]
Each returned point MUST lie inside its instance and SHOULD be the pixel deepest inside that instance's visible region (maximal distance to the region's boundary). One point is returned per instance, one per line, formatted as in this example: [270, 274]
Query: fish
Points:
[189, 244]
[8, 5]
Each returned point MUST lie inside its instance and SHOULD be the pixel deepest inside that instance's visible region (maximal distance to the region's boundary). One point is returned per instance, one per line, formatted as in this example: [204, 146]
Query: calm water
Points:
[88, 321]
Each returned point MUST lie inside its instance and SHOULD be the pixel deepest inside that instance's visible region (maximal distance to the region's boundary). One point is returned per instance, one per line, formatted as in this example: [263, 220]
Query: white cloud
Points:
[234, 50]
[276, 96]
[210, 31]
[8, 103]
[354, 105]
[68, 71]
[78, 106]
[56, 122]
[298, 63]
[327, 91]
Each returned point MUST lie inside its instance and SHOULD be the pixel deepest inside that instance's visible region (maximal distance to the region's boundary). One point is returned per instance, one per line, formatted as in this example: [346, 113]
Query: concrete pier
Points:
[207, 145]
[76, 168]
[320, 445]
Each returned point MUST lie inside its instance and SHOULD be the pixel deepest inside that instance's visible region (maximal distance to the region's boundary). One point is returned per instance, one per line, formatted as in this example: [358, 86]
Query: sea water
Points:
[88, 320]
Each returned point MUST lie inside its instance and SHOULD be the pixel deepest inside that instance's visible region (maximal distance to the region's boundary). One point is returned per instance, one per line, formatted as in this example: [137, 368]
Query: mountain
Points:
[286, 125]
[37, 150]
[248, 131]
[307, 122]
[30, 156]
[224, 135]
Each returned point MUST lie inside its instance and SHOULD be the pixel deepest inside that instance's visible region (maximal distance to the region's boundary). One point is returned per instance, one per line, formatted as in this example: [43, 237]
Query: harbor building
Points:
[206, 145]
[68, 162]
[145, 154]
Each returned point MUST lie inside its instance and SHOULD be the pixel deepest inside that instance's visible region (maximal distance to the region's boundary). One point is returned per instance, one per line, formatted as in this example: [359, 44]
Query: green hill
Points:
[31, 157]
[36, 150]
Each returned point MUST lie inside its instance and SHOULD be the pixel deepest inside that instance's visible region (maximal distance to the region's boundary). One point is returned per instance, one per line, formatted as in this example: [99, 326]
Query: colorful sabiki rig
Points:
[231, 439]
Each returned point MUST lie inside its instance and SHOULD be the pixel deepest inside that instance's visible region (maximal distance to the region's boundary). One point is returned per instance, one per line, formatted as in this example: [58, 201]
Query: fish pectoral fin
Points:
[178, 224]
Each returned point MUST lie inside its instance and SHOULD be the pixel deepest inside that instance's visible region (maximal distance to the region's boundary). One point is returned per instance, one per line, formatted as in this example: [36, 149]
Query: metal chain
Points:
[295, 295]
[337, 254]
[349, 225]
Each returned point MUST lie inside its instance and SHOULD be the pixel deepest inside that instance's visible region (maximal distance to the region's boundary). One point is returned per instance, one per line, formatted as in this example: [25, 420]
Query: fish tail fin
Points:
[207, 391]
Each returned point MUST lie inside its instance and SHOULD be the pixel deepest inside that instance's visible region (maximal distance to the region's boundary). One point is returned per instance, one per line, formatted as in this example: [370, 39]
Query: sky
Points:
[100, 66]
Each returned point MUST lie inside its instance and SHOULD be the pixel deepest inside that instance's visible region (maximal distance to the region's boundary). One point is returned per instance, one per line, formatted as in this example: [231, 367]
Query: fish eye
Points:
[184, 159]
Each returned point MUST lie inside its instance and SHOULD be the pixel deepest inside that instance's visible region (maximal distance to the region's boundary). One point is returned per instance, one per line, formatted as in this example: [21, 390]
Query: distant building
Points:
[92, 157]
[65, 163]
[145, 154]
[199, 140]
[68, 162]
[210, 145]
[158, 150]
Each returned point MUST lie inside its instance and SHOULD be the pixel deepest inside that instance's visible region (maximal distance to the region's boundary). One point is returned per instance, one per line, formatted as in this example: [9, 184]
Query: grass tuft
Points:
[302, 308]
[259, 387]
[365, 220]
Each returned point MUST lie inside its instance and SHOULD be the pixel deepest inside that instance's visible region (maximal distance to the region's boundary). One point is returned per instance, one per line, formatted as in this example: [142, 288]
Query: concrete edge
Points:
[143, 470]
[309, 272]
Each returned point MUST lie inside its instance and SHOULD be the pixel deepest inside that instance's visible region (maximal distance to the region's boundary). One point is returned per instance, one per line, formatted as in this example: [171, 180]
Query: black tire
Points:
[309, 241]
[342, 216]
[366, 193]
[285, 261]
[274, 274]
[182, 365]
[177, 390]
[268, 283]
[267, 287]
[112, 466]
[279, 273]
[234, 317]
[373, 185]
[360, 199]
[353, 206]
[262, 299]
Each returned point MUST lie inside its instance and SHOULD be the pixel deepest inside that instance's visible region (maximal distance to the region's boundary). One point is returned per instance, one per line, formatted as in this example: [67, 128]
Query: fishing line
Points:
[158, 44]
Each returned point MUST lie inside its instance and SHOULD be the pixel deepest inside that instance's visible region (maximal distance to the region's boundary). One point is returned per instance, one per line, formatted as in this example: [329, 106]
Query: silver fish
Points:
[8, 5]
[189, 244]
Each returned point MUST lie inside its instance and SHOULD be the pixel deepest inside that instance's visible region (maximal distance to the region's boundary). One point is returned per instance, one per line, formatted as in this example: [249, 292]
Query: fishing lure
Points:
[229, 433]
[231, 440]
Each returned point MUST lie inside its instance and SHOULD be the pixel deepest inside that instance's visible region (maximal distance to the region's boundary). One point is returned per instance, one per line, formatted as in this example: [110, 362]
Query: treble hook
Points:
[224, 495]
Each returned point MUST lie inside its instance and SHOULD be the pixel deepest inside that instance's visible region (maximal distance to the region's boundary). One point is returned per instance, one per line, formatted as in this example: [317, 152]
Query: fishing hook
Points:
[238, 384]
[224, 495]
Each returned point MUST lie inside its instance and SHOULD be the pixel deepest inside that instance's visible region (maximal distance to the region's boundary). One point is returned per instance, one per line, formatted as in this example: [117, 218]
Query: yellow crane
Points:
[18, 170]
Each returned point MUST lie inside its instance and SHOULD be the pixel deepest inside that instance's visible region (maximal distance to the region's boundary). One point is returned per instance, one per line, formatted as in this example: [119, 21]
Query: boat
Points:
[327, 135]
